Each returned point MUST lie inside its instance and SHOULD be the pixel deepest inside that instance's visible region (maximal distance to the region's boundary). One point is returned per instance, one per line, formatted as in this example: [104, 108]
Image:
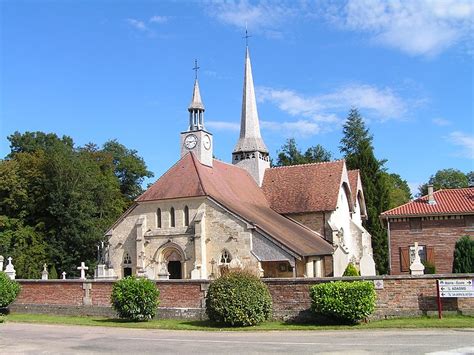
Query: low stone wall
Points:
[400, 296]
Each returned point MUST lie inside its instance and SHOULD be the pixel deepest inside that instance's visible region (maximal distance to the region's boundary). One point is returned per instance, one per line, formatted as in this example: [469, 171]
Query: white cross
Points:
[83, 269]
[64, 275]
[9, 259]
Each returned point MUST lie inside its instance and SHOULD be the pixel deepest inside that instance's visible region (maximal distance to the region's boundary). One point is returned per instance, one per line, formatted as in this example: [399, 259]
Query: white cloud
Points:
[158, 19]
[223, 126]
[441, 122]
[137, 24]
[262, 16]
[465, 141]
[382, 103]
[417, 27]
[300, 128]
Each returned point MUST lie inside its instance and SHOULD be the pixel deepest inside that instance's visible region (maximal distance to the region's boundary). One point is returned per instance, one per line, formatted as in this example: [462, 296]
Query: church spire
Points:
[250, 152]
[196, 107]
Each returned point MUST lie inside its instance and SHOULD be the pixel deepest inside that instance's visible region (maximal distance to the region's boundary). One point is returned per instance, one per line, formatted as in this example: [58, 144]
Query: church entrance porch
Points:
[171, 260]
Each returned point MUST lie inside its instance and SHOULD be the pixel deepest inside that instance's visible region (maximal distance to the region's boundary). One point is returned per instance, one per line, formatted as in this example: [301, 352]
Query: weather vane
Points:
[196, 68]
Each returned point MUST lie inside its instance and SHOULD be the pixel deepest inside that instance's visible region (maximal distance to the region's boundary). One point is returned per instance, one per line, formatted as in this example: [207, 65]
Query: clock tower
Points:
[196, 139]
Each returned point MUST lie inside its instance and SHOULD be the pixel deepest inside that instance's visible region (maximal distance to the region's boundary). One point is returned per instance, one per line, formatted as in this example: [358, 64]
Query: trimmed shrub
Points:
[346, 302]
[135, 298]
[238, 298]
[9, 290]
[464, 255]
[351, 270]
[430, 268]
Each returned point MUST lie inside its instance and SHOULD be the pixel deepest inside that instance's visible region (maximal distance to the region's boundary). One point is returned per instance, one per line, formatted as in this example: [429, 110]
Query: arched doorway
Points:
[174, 260]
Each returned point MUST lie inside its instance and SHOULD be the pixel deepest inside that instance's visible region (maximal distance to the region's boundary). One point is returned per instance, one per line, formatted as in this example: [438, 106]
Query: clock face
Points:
[190, 141]
[206, 141]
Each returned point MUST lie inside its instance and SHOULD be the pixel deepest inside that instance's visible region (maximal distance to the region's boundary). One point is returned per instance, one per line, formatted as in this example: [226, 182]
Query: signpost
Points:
[454, 289]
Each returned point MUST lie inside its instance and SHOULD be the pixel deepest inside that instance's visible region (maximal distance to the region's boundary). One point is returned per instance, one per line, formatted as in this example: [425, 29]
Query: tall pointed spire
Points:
[250, 138]
[250, 152]
[196, 107]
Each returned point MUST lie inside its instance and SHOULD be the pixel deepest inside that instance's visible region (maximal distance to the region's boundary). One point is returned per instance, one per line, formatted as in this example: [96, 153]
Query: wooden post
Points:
[440, 307]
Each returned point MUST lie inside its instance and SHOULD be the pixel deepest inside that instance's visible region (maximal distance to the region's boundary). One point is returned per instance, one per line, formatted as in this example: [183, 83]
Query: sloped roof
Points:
[303, 188]
[237, 191]
[354, 183]
[449, 201]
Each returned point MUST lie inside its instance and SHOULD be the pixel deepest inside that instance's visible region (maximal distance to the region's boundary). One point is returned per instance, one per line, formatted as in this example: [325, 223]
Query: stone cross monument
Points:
[44, 273]
[417, 268]
[1, 263]
[10, 270]
[64, 275]
[83, 269]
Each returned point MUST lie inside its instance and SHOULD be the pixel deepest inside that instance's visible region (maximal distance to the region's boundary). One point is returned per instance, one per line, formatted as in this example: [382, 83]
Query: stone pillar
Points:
[44, 273]
[140, 243]
[309, 267]
[1, 263]
[200, 264]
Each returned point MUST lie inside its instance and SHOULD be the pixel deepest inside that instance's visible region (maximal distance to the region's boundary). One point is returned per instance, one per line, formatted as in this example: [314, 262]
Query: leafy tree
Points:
[470, 178]
[290, 154]
[399, 191]
[29, 142]
[464, 255]
[356, 146]
[129, 168]
[446, 179]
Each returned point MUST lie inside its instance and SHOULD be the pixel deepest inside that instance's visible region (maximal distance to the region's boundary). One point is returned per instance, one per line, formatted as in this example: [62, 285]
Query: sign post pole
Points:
[440, 309]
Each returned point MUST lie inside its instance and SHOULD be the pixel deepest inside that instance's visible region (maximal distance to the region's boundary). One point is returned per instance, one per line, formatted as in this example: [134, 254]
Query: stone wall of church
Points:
[396, 296]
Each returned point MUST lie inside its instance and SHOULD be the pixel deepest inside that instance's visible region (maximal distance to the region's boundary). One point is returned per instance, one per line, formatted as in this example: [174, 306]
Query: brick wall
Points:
[401, 295]
[442, 235]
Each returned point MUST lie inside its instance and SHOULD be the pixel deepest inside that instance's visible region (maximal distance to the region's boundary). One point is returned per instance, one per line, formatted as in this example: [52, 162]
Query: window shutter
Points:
[430, 257]
[404, 259]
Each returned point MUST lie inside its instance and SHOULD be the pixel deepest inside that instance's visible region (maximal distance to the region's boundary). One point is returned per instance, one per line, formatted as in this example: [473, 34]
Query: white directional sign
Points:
[456, 288]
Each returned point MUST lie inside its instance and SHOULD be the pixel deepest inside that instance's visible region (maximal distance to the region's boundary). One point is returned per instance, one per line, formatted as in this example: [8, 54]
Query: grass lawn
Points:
[419, 322]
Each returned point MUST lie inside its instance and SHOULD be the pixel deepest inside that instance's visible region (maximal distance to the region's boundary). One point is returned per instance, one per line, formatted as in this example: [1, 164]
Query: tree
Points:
[129, 168]
[399, 191]
[356, 146]
[290, 154]
[446, 179]
[464, 255]
[470, 178]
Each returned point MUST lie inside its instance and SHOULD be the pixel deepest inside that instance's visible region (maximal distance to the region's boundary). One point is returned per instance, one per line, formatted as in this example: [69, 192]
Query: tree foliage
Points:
[464, 255]
[290, 154]
[399, 191]
[447, 179]
[56, 200]
[356, 146]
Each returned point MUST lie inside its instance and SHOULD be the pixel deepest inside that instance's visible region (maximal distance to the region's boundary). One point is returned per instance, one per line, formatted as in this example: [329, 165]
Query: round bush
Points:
[135, 298]
[9, 289]
[351, 270]
[347, 302]
[238, 299]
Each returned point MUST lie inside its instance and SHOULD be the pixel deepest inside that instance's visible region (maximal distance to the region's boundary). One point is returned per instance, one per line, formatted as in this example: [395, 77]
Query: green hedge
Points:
[135, 298]
[9, 290]
[238, 299]
[347, 302]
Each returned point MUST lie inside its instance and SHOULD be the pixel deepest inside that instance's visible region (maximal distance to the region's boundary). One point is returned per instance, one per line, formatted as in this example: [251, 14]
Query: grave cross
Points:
[83, 269]
[64, 275]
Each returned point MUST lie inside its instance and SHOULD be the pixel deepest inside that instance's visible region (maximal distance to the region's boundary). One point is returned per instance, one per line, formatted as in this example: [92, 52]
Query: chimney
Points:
[431, 200]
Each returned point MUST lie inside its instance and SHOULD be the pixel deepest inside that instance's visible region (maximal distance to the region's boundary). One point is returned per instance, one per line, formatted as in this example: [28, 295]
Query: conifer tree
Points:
[356, 146]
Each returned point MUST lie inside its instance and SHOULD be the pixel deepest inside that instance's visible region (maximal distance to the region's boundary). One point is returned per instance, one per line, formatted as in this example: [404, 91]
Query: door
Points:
[174, 269]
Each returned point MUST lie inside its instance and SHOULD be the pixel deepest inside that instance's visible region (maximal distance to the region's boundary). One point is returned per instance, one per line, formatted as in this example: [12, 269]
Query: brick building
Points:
[436, 222]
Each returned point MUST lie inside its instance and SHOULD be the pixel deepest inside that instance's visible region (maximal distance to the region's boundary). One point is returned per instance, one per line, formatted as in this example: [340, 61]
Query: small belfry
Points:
[250, 152]
[196, 139]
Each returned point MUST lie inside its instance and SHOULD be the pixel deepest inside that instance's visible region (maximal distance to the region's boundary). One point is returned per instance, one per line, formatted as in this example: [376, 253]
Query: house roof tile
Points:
[449, 201]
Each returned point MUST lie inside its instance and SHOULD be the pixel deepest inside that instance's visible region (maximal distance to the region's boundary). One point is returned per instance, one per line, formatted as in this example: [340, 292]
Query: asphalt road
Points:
[24, 338]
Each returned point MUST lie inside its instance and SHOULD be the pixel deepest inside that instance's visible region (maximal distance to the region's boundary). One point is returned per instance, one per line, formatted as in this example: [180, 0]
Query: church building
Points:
[204, 216]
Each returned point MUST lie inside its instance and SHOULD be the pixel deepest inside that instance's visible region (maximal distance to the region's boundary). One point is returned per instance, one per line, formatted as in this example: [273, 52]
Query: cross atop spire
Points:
[246, 36]
[196, 68]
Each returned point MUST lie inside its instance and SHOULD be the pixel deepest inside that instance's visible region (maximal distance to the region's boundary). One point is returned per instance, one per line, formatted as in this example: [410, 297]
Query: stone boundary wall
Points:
[401, 295]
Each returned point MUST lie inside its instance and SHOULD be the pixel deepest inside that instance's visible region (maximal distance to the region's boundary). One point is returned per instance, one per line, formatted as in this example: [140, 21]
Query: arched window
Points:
[127, 265]
[127, 260]
[186, 216]
[226, 258]
[158, 218]
[172, 218]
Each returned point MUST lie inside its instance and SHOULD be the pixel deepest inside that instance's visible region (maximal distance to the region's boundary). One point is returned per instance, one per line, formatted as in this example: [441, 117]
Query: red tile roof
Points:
[303, 188]
[449, 201]
[237, 191]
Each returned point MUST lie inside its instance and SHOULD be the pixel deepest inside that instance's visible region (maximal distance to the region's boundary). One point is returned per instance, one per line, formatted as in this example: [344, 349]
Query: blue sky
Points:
[98, 70]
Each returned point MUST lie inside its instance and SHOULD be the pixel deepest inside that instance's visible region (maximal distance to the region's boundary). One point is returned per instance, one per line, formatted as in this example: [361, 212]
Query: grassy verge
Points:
[173, 324]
